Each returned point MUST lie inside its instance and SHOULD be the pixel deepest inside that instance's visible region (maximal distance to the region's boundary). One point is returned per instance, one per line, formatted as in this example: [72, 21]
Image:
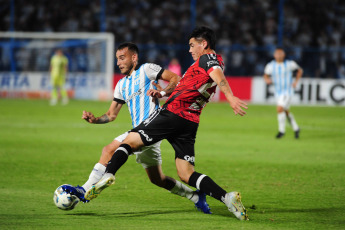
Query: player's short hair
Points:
[204, 33]
[280, 48]
[130, 45]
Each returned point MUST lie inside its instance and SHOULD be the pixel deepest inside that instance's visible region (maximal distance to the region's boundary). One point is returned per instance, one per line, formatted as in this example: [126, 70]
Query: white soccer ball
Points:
[64, 200]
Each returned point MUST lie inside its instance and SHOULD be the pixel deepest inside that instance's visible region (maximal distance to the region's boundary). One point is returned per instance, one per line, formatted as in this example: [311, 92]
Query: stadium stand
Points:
[313, 30]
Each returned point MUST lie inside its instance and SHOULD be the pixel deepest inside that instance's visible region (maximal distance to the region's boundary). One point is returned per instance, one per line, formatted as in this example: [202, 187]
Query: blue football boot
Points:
[202, 205]
[77, 191]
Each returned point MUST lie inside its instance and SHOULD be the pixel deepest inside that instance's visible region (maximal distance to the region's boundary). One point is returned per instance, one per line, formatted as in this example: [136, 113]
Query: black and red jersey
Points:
[195, 88]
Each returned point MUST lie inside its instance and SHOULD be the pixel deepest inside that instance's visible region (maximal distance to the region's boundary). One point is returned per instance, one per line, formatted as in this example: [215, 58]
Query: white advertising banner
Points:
[91, 86]
[309, 91]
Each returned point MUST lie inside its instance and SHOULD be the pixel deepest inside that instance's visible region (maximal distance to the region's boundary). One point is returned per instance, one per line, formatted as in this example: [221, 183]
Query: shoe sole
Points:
[97, 189]
[237, 207]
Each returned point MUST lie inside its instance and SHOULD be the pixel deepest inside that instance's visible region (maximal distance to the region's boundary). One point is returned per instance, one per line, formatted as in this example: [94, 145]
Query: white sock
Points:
[96, 174]
[281, 122]
[293, 122]
[182, 190]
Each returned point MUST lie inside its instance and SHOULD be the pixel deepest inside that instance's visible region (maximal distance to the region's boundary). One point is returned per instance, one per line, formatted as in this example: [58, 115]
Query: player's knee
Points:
[106, 150]
[280, 109]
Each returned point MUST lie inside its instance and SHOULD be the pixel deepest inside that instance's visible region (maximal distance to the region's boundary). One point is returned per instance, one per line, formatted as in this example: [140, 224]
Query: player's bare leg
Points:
[54, 96]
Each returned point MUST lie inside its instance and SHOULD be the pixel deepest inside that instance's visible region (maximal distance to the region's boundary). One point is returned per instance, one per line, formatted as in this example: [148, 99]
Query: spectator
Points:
[175, 67]
[249, 24]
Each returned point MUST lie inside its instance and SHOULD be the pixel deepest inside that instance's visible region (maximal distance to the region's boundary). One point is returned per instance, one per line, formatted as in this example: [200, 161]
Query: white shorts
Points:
[148, 155]
[284, 101]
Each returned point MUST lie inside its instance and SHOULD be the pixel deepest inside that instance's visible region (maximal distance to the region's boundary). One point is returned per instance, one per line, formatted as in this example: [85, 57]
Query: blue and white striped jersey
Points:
[132, 90]
[281, 74]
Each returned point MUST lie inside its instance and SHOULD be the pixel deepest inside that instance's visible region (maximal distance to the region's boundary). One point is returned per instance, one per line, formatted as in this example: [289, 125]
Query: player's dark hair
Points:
[280, 48]
[130, 45]
[204, 33]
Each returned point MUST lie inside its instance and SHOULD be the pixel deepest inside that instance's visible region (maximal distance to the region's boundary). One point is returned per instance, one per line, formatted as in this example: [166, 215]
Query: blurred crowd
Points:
[313, 32]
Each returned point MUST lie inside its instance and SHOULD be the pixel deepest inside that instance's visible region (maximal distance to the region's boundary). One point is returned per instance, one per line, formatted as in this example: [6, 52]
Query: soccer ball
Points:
[64, 200]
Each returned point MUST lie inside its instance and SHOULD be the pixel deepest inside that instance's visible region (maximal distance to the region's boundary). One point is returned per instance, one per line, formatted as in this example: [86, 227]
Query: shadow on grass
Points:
[216, 211]
[130, 214]
[300, 210]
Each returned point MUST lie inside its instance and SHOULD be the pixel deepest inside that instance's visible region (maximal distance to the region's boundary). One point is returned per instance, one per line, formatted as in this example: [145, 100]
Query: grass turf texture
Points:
[285, 184]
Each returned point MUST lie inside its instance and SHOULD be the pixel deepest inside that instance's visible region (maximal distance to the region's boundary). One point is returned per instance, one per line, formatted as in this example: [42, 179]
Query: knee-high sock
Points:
[54, 94]
[63, 92]
[119, 158]
[293, 122]
[207, 185]
[281, 122]
[96, 174]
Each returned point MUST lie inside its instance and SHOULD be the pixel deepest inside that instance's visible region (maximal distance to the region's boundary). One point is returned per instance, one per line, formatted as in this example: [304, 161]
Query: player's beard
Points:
[129, 69]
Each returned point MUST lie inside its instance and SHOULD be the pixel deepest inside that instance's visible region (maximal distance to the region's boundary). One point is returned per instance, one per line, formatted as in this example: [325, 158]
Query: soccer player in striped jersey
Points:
[178, 122]
[137, 90]
[279, 72]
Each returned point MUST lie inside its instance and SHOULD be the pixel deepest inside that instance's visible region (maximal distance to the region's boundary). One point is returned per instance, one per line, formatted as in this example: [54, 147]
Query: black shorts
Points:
[180, 133]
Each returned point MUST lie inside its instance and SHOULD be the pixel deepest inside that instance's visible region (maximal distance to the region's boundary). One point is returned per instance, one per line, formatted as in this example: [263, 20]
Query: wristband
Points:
[163, 93]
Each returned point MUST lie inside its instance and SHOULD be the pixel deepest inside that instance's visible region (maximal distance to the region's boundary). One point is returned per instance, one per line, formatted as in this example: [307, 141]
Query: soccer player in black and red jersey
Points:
[178, 122]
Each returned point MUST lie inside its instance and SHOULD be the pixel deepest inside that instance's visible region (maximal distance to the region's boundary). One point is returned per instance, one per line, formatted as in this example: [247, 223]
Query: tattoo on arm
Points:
[223, 86]
[222, 83]
[170, 88]
[103, 119]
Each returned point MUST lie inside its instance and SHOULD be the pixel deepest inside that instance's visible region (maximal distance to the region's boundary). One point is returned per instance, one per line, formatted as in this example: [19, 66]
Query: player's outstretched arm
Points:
[169, 76]
[236, 104]
[109, 116]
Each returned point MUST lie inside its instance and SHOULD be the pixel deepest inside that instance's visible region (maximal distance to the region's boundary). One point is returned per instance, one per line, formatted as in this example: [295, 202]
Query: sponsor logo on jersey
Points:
[214, 56]
[136, 80]
[212, 62]
[134, 95]
[145, 135]
[189, 158]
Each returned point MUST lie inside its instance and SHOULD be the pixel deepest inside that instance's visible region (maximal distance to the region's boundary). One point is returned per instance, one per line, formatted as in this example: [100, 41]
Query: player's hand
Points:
[88, 116]
[154, 93]
[238, 105]
[158, 86]
[268, 81]
[294, 84]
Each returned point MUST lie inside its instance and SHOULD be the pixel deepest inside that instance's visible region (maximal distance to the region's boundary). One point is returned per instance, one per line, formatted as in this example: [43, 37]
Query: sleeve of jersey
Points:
[117, 94]
[209, 62]
[153, 71]
[294, 65]
[268, 69]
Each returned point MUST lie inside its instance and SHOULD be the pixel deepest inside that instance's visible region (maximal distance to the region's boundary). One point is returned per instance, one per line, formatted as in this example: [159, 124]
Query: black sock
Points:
[169, 183]
[207, 185]
[119, 158]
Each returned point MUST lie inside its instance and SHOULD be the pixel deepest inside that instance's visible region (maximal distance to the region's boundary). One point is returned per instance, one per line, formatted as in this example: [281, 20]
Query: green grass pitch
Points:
[285, 184]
